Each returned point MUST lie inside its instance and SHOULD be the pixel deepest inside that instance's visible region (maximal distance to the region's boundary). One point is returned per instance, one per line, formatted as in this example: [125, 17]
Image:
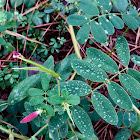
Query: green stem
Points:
[136, 109]
[4, 104]
[15, 135]
[41, 129]
[115, 45]
[41, 67]
[71, 128]
[76, 48]
[108, 80]
[134, 133]
[58, 83]
[73, 75]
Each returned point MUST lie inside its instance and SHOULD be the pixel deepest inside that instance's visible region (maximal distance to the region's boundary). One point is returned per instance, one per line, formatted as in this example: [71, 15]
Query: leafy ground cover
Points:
[69, 69]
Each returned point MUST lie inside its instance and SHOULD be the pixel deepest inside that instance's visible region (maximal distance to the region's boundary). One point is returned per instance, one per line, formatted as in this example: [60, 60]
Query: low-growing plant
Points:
[60, 100]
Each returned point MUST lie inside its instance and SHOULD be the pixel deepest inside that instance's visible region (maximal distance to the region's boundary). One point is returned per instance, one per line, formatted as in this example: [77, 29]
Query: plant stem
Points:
[73, 75]
[41, 67]
[134, 133]
[4, 104]
[109, 79]
[122, 35]
[71, 128]
[136, 109]
[41, 129]
[76, 48]
[58, 83]
[15, 135]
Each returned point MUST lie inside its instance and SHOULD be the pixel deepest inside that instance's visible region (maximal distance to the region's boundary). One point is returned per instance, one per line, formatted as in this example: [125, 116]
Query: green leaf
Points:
[135, 74]
[116, 21]
[73, 100]
[2, 28]
[48, 10]
[52, 92]
[46, 18]
[132, 11]
[45, 81]
[123, 51]
[119, 96]
[35, 92]
[138, 19]
[2, 3]
[64, 93]
[1, 40]
[107, 25]
[82, 121]
[55, 99]
[36, 19]
[85, 4]
[64, 67]
[133, 117]
[98, 32]
[77, 20]
[18, 3]
[9, 47]
[20, 91]
[120, 119]
[54, 134]
[3, 105]
[36, 100]
[104, 108]
[75, 87]
[136, 126]
[83, 34]
[13, 109]
[29, 3]
[102, 60]
[10, 24]
[131, 85]
[49, 110]
[123, 134]
[3, 17]
[63, 130]
[105, 5]
[135, 59]
[122, 5]
[89, 71]
[57, 121]
[126, 119]
[130, 21]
